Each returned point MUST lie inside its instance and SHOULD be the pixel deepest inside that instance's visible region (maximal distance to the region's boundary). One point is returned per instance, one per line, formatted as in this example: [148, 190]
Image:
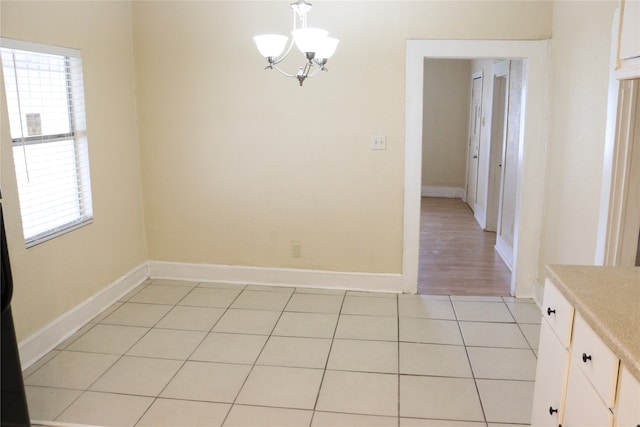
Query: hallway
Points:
[456, 256]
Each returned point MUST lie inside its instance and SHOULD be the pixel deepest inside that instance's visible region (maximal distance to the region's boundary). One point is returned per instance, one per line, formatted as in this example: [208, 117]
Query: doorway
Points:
[531, 144]
[470, 137]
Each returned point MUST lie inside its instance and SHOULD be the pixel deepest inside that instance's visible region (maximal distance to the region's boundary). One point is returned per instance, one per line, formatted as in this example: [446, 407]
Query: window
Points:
[45, 102]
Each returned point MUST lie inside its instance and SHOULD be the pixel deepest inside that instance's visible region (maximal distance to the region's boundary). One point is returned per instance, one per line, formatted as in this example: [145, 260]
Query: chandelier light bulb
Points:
[271, 45]
[327, 48]
[309, 39]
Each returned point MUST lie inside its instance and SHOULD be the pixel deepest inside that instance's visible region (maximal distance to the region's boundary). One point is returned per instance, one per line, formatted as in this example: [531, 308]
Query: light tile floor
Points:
[176, 353]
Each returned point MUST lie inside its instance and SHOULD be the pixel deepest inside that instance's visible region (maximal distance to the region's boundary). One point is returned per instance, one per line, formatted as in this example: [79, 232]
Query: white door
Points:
[505, 237]
[474, 139]
[499, 103]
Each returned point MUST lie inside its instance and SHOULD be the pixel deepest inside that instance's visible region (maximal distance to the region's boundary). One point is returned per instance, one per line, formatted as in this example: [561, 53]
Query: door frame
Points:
[526, 278]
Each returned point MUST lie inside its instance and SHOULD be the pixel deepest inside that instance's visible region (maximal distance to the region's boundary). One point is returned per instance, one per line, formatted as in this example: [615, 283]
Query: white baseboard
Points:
[372, 282]
[538, 293]
[448, 192]
[504, 252]
[47, 338]
[480, 217]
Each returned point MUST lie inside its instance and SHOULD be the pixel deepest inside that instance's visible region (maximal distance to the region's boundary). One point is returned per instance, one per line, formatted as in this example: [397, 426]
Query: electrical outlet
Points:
[296, 249]
[378, 142]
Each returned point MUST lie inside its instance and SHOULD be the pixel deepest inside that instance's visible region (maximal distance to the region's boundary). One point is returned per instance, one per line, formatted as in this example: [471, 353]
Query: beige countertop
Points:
[608, 299]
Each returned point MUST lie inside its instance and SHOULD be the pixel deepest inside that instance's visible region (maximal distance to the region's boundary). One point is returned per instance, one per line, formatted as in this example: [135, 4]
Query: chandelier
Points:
[314, 43]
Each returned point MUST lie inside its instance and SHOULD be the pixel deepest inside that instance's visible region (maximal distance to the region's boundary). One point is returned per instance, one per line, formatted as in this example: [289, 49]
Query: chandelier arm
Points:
[307, 74]
[308, 68]
[295, 26]
[317, 70]
[282, 71]
[286, 53]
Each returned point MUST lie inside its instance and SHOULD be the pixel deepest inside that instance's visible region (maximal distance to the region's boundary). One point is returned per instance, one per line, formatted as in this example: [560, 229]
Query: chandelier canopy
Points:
[314, 43]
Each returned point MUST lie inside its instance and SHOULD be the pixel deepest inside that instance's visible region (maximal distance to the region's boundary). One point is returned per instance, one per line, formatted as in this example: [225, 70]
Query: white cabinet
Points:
[551, 377]
[583, 406]
[595, 360]
[627, 408]
[628, 58]
[629, 29]
[558, 312]
[580, 382]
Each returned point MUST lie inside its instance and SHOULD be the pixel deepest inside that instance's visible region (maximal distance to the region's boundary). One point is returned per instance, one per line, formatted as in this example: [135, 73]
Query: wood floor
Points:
[456, 256]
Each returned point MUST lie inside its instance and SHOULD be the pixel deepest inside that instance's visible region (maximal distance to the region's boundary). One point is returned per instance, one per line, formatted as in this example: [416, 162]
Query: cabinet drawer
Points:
[584, 408]
[595, 360]
[627, 412]
[558, 312]
[551, 379]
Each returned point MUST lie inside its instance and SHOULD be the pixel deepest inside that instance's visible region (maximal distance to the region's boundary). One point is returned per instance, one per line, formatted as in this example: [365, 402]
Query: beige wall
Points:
[55, 276]
[239, 162]
[236, 162]
[580, 57]
[447, 85]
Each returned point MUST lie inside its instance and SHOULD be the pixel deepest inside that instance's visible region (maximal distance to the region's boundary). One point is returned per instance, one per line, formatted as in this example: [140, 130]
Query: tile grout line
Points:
[155, 399]
[120, 356]
[253, 365]
[473, 375]
[82, 392]
[523, 334]
[326, 363]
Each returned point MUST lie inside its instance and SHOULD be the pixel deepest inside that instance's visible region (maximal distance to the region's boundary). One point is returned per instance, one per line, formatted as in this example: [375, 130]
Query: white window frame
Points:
[77, 157]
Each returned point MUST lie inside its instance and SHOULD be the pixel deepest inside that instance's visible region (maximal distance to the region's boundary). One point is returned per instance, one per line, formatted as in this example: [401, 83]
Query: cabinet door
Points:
[551, 376]
[558, 312]
[583, 405]
[627, 412]
[595, 360]
[630, 30]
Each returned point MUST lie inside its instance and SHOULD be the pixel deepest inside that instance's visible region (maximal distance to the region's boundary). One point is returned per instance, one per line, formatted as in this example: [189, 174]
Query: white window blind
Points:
[45, 102]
